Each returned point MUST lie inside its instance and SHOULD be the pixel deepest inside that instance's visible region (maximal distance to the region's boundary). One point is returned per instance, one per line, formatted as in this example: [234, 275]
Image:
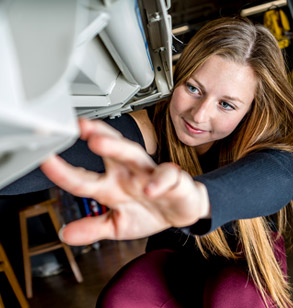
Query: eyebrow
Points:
[231, 98]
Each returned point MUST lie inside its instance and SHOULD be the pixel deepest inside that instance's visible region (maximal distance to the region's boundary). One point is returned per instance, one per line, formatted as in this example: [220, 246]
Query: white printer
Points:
[61, 59]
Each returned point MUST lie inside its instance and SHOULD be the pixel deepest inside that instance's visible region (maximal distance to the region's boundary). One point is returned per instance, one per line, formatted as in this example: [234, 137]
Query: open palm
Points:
[143, 198]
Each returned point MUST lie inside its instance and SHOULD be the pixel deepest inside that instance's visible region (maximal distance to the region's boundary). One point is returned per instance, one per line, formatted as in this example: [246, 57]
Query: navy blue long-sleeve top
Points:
[259, 184]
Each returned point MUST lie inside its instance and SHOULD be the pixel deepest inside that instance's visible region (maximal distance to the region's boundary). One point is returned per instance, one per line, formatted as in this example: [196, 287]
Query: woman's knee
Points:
[141, 283]
[231, 287]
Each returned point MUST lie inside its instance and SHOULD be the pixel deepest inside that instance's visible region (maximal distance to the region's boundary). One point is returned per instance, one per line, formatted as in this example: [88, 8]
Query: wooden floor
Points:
[97, 267]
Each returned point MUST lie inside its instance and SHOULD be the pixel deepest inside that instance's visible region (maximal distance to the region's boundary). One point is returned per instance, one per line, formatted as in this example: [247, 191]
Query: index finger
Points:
[106, 141]
[76, 180]
[90, 127]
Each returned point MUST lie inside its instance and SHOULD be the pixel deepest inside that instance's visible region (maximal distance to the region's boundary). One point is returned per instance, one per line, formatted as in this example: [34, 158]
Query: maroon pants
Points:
[166, 279]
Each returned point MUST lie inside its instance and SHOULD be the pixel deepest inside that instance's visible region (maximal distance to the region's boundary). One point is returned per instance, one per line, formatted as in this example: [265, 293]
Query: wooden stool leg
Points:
[1, 302]
[12, 280]
[67, 250]
[72, 262]
[26, 256]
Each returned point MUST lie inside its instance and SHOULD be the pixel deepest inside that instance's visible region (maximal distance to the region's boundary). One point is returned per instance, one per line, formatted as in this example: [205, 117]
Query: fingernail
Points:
[60, 233]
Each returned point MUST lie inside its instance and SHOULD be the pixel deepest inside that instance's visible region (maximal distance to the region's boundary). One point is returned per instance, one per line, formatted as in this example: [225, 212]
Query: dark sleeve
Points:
[259, 184]
[78, 155]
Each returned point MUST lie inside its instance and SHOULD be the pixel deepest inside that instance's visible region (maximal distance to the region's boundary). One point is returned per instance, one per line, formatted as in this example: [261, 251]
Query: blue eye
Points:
[191, 88]
[226, 106]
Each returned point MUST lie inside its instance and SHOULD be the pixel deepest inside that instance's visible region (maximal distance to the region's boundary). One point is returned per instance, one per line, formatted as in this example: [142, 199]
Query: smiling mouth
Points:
[194, 130]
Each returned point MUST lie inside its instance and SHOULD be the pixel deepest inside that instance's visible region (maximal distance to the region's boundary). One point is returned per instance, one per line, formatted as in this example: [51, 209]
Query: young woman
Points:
[228, 125]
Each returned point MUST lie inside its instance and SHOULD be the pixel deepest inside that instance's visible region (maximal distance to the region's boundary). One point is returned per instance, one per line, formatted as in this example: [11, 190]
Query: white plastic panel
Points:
[36, 115]
[61, 59]
[126, 33]
[138, 38]
[122, 92]
[97, 71]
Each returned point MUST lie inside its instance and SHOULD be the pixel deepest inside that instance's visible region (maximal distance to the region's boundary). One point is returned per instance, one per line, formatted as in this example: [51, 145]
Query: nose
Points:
[203, 110]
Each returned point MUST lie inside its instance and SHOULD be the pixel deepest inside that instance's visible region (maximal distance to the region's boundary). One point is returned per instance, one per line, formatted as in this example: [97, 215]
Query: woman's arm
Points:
[145, 198]
[259, 184]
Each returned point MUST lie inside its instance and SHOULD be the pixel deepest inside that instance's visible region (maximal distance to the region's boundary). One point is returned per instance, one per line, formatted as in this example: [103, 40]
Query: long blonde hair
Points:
[269, 124]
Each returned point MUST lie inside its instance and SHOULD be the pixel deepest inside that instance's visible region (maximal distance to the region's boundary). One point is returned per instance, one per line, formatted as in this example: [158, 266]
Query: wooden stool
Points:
[7, 269]
[27, 252]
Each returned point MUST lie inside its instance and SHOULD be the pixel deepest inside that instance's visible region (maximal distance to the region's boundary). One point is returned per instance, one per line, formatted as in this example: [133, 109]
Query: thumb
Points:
[88, 230]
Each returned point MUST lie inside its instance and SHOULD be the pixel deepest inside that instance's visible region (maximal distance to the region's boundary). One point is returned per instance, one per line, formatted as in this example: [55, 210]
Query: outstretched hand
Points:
[143, 198]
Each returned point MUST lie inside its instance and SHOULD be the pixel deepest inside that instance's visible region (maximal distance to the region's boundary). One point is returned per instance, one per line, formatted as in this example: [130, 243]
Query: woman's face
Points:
[212, 102]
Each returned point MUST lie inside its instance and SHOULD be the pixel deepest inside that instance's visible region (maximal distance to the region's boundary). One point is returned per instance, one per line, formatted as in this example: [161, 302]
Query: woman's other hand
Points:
[143, 198]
